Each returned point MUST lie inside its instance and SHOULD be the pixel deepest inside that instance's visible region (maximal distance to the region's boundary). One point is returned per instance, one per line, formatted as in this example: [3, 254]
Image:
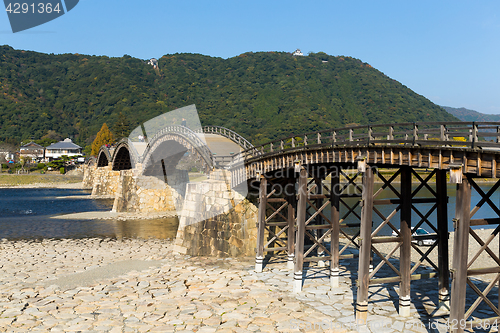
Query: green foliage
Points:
[40, 166]
[121, 127]
[45, 142]
[263, 96]
[104, 137]
[87, 150]
[59, 163]
[62, 170]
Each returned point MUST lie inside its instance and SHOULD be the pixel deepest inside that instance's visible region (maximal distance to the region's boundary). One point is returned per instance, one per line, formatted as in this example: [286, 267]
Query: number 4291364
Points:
[24, 8]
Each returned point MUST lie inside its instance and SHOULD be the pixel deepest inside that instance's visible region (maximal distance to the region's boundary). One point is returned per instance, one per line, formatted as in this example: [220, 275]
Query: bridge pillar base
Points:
[179, 249]
[404, 306]
[259, 264]
[334, 278]
[297, 282]
[290, 263]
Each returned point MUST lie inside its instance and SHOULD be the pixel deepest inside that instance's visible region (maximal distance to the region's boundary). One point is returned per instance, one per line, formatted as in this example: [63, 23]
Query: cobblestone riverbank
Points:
[133, 285]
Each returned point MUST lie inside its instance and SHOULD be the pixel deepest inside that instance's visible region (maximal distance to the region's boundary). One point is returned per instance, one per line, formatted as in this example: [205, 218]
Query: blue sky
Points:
[447, 51]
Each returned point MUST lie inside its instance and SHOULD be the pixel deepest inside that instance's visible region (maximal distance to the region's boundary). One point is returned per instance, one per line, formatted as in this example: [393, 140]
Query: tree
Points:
[121, 127]
[104, 137]
[52, 136]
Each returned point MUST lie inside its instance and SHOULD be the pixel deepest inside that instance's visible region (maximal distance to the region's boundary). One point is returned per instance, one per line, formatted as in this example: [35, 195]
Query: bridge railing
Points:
[472, 135]
[231, 135]
[189, 135]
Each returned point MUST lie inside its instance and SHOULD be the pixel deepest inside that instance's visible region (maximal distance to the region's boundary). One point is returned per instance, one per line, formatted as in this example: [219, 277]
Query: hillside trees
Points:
[262, 96]
[121, 127]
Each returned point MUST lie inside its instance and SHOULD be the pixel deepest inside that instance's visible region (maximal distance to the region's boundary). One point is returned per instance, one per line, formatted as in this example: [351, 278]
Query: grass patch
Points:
[13, 180]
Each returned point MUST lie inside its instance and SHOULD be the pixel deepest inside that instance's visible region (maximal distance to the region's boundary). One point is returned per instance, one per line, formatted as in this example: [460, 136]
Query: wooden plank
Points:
[461, 244]
[487, 221]
[394, 279]
[301, 224]
[479, 164]
[277, 224]
[291, 198]
[276, 248]
[348, 256]
[442, 227]
[259, 258]
[386, 239]
[391, 279]
[405, 250]
[398, 201]
[335, 232]
[350, 225]
[482, 271]
[276, 199]
[317, 226]
[365, 248]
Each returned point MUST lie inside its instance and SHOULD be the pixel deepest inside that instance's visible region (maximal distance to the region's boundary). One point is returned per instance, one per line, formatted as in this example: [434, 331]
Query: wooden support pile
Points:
[293, 221]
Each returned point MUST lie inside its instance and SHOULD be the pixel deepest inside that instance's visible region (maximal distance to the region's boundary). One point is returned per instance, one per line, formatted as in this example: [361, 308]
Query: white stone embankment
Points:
[110, 215]
[96, 285]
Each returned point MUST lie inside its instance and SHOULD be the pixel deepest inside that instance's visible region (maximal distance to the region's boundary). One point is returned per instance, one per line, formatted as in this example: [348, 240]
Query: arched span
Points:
[92, 161]
[227, 133]
[121, 159]
[169, 145]
[125, 155]
[103, 157]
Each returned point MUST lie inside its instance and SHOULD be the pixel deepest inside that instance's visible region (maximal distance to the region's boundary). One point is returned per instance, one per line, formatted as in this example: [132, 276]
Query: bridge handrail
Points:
[187, 133]
[473, 136]
[226, 132]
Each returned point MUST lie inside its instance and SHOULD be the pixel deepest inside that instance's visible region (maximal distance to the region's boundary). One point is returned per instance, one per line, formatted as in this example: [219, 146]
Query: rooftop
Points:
[66, 144]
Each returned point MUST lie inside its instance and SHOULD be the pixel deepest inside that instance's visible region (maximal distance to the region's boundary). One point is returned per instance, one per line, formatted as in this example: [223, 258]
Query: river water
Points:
[484, 212]
[26, 214]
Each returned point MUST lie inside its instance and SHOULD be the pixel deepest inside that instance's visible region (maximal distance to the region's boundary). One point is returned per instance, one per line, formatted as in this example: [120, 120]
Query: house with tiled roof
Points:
[32, 151]
[66, 147]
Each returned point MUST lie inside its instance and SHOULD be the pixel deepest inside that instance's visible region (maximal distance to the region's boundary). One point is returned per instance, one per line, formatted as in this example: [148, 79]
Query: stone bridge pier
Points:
[134, 192]
[214, 219]
[143, 177]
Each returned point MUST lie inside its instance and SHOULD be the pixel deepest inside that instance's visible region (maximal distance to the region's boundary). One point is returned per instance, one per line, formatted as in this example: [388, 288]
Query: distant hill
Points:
[262, 96]
[471, 115]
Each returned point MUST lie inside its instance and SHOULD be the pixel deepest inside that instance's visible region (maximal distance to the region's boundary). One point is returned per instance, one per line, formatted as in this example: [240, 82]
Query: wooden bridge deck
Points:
[286, 221]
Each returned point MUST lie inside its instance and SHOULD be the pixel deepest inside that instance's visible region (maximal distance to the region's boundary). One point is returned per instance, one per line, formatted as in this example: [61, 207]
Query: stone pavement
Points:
[133, 285]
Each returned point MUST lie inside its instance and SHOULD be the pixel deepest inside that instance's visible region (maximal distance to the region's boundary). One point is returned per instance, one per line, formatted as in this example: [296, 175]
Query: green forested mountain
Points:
[471, 115]
[259, 95]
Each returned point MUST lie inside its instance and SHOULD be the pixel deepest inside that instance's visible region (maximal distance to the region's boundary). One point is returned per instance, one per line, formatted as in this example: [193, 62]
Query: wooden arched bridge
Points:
[322, 192]
[172, 142]
[304, 176]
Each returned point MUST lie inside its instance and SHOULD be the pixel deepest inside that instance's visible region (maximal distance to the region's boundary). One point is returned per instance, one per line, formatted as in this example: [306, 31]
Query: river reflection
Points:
[162, 228]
